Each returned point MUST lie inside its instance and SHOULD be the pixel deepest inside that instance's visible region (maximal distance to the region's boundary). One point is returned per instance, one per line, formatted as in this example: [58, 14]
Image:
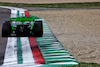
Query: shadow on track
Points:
[4, 16]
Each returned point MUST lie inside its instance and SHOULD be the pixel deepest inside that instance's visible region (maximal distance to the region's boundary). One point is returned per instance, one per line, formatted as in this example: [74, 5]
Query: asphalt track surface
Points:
[4, 16]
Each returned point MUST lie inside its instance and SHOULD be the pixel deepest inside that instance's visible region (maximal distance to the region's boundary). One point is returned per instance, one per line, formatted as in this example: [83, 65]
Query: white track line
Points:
[12, 8]
[11, 54]
[60, 56]
[24, 65]
[59, 63]
[61, 59]
[27, 53]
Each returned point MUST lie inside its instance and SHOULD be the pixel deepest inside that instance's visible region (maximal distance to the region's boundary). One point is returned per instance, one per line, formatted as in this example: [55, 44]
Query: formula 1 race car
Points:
[19, 27]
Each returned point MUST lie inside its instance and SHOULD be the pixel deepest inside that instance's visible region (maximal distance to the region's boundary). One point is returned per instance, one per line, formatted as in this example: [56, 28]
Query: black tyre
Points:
[38, 29]
[6, 29]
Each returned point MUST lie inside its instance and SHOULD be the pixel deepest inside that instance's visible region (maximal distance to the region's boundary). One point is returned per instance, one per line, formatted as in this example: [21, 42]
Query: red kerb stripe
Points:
[36, 52]
[26, 14]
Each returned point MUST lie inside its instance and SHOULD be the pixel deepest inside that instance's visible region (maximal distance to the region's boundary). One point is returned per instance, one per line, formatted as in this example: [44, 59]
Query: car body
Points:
[22, 26]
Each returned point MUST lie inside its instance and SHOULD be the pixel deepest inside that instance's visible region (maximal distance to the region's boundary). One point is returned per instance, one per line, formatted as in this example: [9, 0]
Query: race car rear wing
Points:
[21, 19]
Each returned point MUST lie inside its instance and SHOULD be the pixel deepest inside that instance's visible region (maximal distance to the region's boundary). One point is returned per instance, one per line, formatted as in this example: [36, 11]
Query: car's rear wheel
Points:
[6, 29]
[38, 29]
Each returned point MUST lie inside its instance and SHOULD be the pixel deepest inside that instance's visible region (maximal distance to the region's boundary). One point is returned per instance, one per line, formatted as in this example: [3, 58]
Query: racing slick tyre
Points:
[6, 29]
[38, 29]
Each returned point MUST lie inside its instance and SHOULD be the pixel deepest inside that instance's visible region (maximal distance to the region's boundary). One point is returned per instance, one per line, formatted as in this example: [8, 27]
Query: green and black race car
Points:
[19, 27]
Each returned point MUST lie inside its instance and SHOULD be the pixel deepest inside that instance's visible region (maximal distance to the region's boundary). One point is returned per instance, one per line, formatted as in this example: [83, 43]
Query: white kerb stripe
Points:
[59, 63]
[27, 53]
[11, 52]
[13, 13]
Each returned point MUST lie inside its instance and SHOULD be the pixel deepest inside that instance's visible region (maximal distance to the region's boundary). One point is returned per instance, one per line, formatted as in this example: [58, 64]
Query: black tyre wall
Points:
[6, 29]
[38, 29]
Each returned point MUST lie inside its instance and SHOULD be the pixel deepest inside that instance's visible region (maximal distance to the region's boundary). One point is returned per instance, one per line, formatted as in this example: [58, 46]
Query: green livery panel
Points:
[21, 19]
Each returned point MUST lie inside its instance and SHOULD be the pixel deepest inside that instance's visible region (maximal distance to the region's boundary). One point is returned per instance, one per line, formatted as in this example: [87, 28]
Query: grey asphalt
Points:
[4, 16]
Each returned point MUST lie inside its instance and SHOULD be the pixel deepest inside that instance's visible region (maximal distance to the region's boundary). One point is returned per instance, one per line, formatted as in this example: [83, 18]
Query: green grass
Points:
[55, 5]
[85, 65]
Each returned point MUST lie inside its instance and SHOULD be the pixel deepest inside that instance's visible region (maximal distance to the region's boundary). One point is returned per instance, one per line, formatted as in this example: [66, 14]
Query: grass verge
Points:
[55, 5]
[85, 65]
